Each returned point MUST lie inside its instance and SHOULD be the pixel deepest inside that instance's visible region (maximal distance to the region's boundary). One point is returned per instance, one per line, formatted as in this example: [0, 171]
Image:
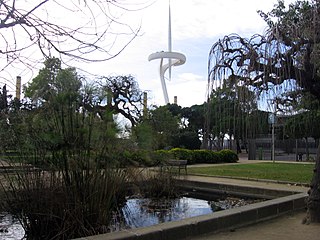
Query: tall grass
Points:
[61, 189]
[54, 204]
[157, 184]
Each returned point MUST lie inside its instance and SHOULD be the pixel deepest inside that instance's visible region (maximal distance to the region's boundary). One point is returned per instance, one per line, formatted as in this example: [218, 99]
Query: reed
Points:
[55, 204]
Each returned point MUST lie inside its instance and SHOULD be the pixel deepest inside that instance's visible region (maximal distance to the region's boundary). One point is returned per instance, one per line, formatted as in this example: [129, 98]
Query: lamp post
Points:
[272, 121]
[273, 155]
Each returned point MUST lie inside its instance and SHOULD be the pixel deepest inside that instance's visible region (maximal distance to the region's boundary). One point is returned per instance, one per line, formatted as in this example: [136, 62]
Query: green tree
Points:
[191, 126]
[145, 136]
[71, 143]
[53, 81]
[230, 108]
[162, 126]
[193, 118]
[286, 56]
[4, 99]
[187, 139]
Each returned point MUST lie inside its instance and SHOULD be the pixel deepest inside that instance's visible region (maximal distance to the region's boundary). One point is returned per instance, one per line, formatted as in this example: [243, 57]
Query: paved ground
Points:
[286, 227]
[283, 228]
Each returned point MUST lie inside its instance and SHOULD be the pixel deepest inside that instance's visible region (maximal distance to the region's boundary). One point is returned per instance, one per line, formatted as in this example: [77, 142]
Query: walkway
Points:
[286, 227]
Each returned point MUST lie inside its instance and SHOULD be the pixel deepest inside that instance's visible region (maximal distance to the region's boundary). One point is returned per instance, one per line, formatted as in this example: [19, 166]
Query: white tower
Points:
[174, 59]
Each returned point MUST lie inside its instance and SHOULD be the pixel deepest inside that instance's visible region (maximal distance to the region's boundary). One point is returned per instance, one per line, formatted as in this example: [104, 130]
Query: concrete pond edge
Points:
[214, 222]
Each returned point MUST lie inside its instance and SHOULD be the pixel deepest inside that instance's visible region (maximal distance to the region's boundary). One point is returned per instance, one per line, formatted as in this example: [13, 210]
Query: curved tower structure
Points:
[174, 59]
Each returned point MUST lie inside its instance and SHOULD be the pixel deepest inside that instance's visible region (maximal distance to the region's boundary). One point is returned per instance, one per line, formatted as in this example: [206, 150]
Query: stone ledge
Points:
[214, 222]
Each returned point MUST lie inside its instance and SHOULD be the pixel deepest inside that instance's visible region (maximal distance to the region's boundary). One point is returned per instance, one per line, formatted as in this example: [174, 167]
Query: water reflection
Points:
[146, 212]
[143, 212]
[10, 228]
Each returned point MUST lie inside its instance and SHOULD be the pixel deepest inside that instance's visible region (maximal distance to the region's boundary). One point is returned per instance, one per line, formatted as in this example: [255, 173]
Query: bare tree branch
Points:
[86, 30]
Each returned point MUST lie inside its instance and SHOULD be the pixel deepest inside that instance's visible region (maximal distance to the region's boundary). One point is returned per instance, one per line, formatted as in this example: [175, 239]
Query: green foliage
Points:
[54, 83]
[162, 126]
[135, 158]
[195, 116]
[64, 205]
[181, 153]
[199, 156]
[4, 99]
[303, 125]
[228, 155]
[161, 155]
[144, 135]
[73, 145]
[306, 122]
[231, 107]
[187, 139]
[206, 156]
[161, 184]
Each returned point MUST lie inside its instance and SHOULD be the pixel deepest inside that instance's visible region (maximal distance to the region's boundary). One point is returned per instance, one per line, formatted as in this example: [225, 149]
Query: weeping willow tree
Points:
[286, 58]
[232, 108]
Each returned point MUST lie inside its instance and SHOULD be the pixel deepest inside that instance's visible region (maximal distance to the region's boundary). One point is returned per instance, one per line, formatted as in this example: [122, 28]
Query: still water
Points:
[10, 228]
[147, 212]
[142, 212]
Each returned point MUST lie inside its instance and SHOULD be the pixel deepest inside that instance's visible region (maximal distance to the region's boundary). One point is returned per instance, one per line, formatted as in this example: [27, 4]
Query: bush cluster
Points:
[205, 156]
[145, 158]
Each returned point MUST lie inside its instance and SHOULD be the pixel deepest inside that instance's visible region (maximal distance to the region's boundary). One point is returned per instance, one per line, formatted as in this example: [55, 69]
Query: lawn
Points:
[298, 173]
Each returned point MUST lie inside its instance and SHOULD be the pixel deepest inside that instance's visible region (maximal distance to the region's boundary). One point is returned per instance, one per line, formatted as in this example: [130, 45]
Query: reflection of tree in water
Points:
[143, 212]
[147, 212]
[10, 227]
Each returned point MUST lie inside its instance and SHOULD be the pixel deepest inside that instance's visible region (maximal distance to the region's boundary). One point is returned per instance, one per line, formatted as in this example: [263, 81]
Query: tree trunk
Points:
[238, 145]
[313, 201]
[307, 149]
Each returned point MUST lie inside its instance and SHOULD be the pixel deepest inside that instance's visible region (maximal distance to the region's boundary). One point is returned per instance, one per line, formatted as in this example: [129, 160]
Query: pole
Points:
[18, 88]
[273, 155]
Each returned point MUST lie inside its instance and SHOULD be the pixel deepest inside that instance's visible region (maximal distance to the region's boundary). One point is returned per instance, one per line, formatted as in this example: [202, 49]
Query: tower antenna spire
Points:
[174, 59]
[169, 41]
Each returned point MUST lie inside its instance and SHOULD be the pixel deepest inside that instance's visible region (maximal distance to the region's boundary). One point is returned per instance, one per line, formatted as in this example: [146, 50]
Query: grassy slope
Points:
[299, 173]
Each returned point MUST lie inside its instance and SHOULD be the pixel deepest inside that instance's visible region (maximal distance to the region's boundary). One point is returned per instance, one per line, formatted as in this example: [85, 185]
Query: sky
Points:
[196, 26]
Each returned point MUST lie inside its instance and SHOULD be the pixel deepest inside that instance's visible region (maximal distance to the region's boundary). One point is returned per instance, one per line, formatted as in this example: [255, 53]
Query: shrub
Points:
[202, 156]
[60, 204]
[181, 153]
[135, 158]
[161, 184]
[228, 156]
[159, 156]
[209, 156]
[214, 157]
[196, 156]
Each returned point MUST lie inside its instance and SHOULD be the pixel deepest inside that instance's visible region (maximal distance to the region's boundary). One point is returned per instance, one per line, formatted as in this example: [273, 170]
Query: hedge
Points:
[202, 156]
[154, 158]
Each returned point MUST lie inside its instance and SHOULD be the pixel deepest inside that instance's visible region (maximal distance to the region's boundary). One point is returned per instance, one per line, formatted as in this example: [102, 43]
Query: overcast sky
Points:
[196, 26]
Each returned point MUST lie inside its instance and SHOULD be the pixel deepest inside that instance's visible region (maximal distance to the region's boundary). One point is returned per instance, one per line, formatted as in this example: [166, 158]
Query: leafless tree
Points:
[85, 30]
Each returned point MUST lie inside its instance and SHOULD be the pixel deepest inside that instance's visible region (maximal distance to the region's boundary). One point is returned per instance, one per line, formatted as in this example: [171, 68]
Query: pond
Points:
[10, 228]
[143, 212]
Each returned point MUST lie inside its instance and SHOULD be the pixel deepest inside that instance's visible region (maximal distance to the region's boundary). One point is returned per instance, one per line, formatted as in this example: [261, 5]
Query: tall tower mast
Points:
[174, 59]
[169, 41]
